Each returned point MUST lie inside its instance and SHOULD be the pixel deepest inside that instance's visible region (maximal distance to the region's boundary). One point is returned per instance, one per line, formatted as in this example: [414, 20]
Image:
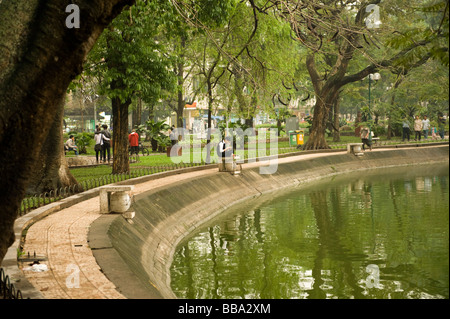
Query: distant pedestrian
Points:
[406, 129]
[70, 145]
[365, 138]
[133, 139]
[441, 125]
[98, 138]
[418, 126]
[425, 126]
[224, 148]
[172, 136]
[106, 147]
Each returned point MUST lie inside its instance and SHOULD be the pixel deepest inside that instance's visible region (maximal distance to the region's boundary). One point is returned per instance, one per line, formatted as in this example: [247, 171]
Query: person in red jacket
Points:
[133, 139]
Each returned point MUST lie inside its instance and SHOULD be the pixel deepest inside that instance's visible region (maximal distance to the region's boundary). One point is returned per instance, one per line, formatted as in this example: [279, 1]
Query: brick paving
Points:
[62, 238]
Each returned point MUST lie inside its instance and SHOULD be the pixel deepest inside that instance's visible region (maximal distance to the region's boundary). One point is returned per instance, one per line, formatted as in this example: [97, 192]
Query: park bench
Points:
[376, 141]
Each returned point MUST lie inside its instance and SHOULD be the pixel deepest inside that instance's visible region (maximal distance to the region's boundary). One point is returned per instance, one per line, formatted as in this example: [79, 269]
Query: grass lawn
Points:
[161, 159]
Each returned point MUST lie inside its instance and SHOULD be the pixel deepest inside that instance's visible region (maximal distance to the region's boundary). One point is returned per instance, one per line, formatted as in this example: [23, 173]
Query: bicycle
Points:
[141, 149]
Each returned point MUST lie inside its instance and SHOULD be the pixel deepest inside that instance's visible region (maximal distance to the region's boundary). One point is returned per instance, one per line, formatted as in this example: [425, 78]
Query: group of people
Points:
[420, 126]
[102, 138]
[423, 126]
[102, 146]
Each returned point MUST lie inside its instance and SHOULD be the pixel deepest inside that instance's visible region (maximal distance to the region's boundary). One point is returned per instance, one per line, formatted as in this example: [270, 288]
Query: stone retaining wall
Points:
[166, 215]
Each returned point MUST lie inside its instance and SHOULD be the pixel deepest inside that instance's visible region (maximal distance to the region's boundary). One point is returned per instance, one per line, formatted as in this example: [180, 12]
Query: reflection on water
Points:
[376, 236]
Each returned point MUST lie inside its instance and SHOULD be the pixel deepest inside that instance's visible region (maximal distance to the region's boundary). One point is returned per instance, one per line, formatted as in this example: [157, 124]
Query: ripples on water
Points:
[381, 235]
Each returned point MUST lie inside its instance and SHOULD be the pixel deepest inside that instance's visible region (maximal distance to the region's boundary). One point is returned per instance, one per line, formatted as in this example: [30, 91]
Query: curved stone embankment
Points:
[167, 214]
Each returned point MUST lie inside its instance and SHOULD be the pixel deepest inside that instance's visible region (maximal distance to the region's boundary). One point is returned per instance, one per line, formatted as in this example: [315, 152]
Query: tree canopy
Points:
[246, 55]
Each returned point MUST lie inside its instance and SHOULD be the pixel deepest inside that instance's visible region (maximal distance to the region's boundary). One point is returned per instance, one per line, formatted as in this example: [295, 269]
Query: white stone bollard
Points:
[115, 199]
[119, 202]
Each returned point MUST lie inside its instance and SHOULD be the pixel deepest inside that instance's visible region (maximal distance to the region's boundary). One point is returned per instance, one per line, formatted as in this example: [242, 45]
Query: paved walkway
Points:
[62, 238]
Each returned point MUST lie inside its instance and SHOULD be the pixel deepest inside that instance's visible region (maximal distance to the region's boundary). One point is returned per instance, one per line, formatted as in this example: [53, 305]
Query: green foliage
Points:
[83, 140]
[427, 24]
[128, 57]
[379, 130]
[154, 131]
[213, 13]
[139, 53]
[155, 128]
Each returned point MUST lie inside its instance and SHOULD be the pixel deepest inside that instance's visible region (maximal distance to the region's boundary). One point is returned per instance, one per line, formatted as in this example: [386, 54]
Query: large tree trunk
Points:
[137, 113]
[327, 91]
[39, 57]
[396, 85]
[180, 97]
[121, 162]
[180, 74]
[208, 136]
[316, 138]
[51, 171]
[336, 132]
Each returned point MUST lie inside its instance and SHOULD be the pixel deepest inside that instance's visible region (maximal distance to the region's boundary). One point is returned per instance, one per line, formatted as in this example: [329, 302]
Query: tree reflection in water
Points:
[318, 241]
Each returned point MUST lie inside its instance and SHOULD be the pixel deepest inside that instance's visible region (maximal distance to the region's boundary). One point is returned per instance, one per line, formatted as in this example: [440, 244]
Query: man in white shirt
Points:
[70, 144]
[426, 126]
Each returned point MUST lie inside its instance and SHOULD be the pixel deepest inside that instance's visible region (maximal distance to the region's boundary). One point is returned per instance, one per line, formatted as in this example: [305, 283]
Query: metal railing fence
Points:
[7, 289]
[38, 200]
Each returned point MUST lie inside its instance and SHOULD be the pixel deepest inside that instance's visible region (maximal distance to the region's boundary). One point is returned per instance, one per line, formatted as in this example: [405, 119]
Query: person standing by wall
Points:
[425, 126]
[418, 128]
[405, 125]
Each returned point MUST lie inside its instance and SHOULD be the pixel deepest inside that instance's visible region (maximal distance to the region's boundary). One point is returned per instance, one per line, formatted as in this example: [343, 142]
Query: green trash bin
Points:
[292, 138]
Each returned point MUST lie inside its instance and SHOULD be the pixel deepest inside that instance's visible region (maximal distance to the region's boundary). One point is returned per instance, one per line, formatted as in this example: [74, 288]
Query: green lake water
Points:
[375, 234]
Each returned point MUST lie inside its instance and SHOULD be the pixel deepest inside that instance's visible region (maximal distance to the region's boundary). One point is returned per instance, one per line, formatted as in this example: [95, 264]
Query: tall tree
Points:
[346, 29]
[131, 63]
[39, 58]
[51, 170]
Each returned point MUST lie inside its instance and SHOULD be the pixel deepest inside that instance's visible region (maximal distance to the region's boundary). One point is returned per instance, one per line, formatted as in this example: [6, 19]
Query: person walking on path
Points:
[425, 126]
[133, 139]
[106, 147]
[405, 125]
[418, 126]
[365, 138]
[70, 144]
[98, 138]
